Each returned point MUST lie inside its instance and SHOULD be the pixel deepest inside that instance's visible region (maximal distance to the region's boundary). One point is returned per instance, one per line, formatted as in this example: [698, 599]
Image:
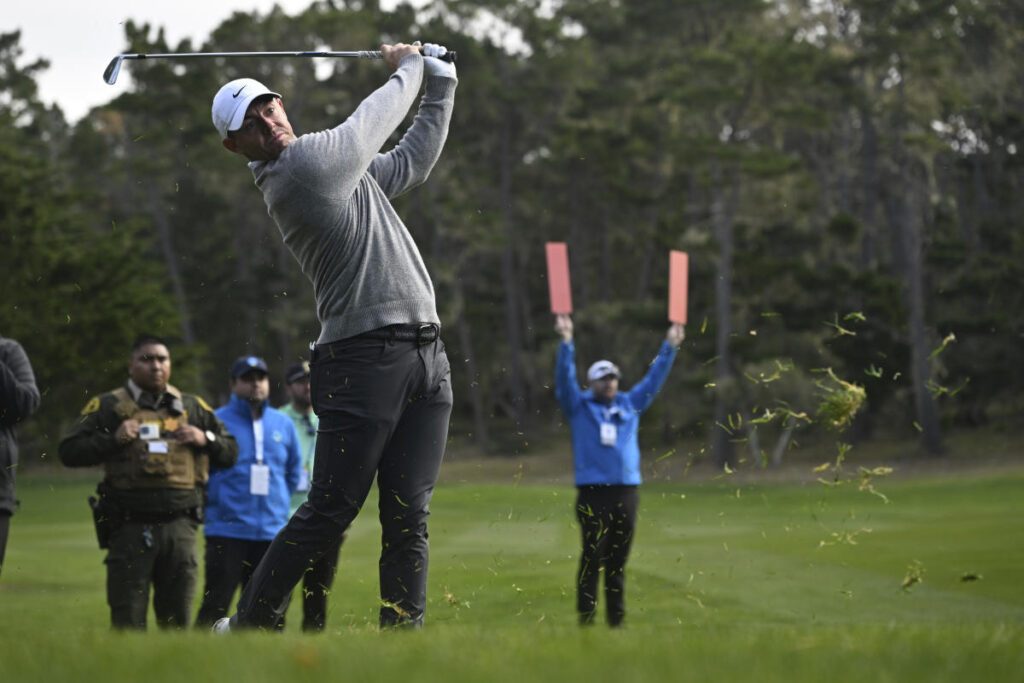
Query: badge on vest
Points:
[609, 434]
[259, 480]
[149, 431]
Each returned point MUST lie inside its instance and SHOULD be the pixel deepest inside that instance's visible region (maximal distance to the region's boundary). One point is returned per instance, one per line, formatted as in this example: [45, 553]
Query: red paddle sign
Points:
[678, 283]
[558, 277]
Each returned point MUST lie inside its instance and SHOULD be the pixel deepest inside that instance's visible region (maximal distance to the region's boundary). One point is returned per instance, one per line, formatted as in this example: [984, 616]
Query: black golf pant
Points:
[316, 586]
[229, 564]
[383, 406]
[607, 517]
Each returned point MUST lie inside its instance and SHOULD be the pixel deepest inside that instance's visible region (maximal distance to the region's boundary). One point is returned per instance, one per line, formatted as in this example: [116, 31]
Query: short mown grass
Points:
[728, 580]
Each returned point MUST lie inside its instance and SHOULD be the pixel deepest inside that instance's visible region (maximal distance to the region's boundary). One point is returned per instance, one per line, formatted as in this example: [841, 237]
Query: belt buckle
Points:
[422, 333]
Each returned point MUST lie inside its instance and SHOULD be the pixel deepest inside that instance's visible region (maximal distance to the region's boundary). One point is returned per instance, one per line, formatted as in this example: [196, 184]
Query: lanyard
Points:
[257, 430]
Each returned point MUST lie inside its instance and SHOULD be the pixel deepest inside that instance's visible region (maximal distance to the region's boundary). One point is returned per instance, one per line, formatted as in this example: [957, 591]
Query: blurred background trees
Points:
[844, 174]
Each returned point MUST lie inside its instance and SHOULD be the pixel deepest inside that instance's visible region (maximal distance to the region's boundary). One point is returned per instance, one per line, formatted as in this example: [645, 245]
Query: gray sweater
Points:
[330, 192]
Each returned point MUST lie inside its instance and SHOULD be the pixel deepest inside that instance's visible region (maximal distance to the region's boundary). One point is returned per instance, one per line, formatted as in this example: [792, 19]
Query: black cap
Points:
[296, 372]
[246, 364]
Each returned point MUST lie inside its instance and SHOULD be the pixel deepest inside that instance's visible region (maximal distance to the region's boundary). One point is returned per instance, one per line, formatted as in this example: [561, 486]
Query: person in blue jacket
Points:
[249, 502]
[604, 423]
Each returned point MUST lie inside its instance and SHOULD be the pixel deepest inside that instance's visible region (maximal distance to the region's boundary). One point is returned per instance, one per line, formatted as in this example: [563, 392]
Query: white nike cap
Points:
[233, 100]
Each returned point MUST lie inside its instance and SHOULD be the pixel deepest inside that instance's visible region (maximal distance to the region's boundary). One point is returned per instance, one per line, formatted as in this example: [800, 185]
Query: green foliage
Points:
[77, 288]
[806, 155]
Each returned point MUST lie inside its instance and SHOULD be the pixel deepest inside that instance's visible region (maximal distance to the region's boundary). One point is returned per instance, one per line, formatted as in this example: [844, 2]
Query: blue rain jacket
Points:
[232, 510]
[596, 463]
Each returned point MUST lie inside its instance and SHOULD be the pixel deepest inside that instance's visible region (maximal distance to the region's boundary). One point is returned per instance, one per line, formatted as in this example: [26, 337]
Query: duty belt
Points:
[156, 517]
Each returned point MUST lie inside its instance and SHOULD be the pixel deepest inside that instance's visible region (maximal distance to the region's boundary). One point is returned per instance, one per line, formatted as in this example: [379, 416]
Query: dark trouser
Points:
[383, 407]
[5, 527]
[229, 564]
[162, 554]
[607, 517]
[316, 586]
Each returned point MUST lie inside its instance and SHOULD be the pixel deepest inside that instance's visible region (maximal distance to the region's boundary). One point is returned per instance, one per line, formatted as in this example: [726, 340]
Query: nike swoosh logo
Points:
[239, 91]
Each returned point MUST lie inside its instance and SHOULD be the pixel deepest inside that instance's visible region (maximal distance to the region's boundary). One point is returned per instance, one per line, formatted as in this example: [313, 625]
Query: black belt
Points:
[155, 517]
[421, 334]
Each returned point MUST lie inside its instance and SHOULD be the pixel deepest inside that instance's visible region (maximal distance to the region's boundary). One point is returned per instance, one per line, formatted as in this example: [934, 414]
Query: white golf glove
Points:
[435, 66]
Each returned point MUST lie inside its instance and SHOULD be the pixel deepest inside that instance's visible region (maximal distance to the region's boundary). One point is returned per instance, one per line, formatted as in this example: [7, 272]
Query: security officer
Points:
[156, 445]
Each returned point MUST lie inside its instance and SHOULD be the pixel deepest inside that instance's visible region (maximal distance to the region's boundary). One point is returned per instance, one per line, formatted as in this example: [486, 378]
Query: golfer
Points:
[604, 426]
[380, 380]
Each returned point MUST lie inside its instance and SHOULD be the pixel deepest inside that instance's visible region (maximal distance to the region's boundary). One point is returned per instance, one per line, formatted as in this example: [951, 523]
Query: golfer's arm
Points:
[332, 162]
[410, 162]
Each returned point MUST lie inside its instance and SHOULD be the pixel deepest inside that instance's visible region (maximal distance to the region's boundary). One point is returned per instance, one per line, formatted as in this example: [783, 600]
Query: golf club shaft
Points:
[114, 68]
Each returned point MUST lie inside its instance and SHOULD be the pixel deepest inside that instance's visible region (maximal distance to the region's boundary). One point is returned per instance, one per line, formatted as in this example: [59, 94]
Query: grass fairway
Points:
[727, 581]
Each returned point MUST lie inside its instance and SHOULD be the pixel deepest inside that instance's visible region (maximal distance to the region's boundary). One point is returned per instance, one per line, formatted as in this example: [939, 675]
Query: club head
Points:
[110, 73]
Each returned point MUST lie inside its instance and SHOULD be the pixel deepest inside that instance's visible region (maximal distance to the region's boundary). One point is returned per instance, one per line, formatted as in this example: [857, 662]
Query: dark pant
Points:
[229, 564]
[159, 554]
[5, 527]
[383, 407]
[607, 517]
[316, 586]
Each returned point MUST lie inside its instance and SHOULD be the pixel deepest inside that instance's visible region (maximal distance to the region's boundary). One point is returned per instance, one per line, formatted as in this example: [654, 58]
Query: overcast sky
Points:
[80, 37]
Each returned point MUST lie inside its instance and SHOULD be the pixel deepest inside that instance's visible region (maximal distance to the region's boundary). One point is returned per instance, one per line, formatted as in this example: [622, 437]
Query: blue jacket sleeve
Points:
[567, 389]
[643, 393]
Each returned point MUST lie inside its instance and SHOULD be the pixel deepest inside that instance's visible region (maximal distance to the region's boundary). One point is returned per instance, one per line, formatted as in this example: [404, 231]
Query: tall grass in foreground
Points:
[726, 581]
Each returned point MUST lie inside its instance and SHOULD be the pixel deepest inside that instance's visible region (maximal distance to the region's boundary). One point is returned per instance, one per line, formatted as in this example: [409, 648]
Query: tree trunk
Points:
[514, 381]
[906, 220]
[870, 189]
[906, 225]
[604, 270]
[577, 239]
[723, 212]
[783, 441]
[753, 443]
[659, 180]
[163, 226]
[476, 398]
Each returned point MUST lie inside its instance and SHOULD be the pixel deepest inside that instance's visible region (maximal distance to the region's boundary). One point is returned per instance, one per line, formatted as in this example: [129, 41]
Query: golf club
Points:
[114, 68]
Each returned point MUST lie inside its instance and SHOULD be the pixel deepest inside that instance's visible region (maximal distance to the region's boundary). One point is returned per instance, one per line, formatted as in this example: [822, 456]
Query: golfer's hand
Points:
[393, 54]
[676, 334]
[432, 62]
[563, 326]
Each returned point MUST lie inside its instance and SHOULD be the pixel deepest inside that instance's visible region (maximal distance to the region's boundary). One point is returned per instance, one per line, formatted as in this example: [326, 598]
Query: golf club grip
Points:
[448, 57]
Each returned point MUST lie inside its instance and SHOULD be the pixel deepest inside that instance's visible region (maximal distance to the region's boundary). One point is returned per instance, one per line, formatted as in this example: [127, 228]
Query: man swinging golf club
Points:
[380, 379]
